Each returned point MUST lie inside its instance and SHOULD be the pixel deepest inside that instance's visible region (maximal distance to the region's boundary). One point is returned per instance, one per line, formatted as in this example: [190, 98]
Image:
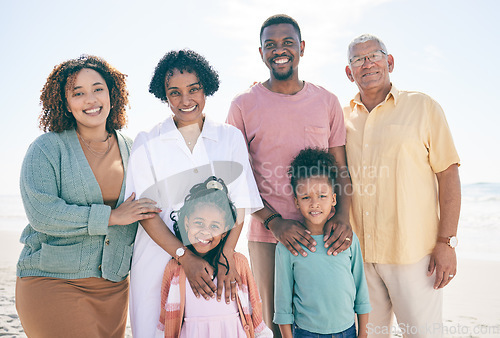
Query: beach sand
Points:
[471, 301]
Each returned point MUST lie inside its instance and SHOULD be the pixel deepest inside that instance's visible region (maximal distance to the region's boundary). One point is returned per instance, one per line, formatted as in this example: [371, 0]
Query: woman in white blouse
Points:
[165, 162]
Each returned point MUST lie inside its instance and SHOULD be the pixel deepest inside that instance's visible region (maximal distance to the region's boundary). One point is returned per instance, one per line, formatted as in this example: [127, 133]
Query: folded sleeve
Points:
[235, 118]
[337, 126]
[440, 145]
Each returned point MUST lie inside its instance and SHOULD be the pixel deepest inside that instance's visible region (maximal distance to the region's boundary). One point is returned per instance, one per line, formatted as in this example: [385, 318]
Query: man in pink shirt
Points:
[278, 118]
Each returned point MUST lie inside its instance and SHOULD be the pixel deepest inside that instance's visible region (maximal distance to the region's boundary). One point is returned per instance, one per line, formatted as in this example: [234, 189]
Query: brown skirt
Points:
[87, 307]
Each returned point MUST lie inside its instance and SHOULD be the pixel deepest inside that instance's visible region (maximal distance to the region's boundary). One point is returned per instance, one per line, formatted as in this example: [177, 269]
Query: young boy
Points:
[320, 293]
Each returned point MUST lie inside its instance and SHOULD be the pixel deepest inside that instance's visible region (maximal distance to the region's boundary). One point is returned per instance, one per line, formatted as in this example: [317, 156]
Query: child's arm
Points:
[362, 302]
[362, 323]
[286, 330]
[283, 289]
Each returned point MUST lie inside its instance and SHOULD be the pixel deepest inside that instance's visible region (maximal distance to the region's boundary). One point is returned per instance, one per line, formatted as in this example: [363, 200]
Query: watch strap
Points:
[445, 240]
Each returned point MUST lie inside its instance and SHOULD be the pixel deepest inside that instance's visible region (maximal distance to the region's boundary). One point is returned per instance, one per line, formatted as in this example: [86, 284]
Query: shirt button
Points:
[246, 327]
[107, 241]
[367, 213]
[195, 171]
[368, 236]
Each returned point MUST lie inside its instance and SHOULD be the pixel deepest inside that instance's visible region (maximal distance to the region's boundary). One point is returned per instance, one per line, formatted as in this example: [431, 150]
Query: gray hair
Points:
[364, 38]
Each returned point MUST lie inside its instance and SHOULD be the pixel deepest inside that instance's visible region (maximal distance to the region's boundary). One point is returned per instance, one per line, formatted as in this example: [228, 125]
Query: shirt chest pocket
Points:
[316, 137]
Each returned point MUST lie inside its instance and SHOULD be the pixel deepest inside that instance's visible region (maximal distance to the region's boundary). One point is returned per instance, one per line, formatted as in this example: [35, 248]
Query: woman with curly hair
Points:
[72, 273]
[164, 164]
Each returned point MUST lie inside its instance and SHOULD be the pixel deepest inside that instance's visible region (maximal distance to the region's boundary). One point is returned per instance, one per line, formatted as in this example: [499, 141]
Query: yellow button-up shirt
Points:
[393, 153]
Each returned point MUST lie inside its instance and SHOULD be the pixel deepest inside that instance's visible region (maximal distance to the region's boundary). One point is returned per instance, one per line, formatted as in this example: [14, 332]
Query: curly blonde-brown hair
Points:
[55, 115]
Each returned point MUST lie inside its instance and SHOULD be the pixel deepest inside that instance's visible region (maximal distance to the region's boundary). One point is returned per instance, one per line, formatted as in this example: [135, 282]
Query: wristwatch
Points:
[180, 252]
[452, 241]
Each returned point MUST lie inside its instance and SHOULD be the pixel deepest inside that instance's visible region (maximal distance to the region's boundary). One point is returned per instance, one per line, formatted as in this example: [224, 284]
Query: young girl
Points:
[319, 294]
[203, 224]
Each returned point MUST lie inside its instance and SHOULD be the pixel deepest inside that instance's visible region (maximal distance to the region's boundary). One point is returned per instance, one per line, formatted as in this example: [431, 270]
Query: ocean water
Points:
[479, 225]
[478, 230]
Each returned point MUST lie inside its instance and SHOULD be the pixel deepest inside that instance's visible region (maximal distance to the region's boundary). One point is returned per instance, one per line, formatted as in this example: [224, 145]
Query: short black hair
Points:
[183, 60]
[279, 19]
[312, 162]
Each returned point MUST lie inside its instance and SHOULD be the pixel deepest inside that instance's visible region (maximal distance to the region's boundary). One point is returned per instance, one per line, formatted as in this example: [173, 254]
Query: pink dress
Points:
[210, 318]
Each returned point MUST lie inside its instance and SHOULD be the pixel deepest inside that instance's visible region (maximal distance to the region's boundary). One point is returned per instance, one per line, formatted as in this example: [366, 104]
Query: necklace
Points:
[99, 154]
[190, 134]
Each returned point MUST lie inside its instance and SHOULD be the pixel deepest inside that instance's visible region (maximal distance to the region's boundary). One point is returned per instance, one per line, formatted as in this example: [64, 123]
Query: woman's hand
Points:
[199, 274]
[228, 281]
[132, 211]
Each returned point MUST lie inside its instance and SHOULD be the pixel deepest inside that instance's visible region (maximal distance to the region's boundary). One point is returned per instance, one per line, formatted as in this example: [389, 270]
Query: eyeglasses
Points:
[358, 61]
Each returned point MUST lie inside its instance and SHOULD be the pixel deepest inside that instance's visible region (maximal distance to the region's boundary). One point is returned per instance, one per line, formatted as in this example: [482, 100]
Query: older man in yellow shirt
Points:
[406, 194]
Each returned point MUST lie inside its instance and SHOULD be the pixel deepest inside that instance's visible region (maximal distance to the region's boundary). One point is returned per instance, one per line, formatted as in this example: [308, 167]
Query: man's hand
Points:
[444, 262]
[337, 234]
[229, 281]
[291, 234]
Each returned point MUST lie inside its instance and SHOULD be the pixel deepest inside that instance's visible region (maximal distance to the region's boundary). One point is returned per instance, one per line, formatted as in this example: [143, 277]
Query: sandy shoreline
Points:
[471, 304]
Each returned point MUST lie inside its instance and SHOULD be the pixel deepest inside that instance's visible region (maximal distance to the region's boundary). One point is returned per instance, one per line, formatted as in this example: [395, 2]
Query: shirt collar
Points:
[169, 131]
[393, 93]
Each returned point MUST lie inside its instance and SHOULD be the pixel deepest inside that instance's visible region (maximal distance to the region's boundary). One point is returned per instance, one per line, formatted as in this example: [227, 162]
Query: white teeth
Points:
[203, 241]
[281, 61]
[187, 110]
[92, 111]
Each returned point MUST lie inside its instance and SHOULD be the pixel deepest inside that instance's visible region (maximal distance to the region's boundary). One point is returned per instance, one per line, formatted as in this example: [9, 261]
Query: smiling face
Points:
[315, 200]
[281, 50]
[87, 98]
[205, 227]
[370, 75]
[185, 97]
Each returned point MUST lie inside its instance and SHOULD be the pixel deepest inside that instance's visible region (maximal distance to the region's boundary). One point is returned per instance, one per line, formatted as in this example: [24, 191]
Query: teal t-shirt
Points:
[320, 293]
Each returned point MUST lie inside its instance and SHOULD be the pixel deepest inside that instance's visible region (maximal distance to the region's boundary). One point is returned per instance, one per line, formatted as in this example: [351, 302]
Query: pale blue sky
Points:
[447, 49]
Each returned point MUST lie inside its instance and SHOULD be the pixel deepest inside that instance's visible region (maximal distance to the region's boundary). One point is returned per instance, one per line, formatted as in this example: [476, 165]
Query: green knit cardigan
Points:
[68, 234]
